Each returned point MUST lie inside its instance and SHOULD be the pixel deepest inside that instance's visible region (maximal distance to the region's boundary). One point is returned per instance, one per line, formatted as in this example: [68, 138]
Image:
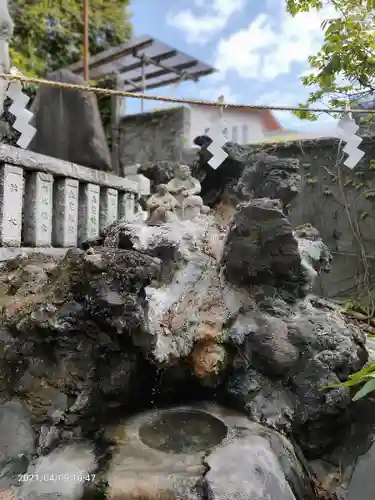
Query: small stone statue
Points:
[192, 207]
[186, 188]
[184, 184]
[161, 206]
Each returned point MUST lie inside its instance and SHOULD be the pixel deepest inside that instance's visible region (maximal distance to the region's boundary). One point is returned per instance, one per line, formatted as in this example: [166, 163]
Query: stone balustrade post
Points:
[126, 206]
[65, 213]
[6, 32]
[38, 210]
[108, 207]
[88, 218]
[11, 201]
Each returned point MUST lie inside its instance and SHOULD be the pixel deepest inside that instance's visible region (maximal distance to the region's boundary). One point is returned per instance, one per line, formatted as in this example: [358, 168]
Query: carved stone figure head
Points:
[161, 190]
[183, 172]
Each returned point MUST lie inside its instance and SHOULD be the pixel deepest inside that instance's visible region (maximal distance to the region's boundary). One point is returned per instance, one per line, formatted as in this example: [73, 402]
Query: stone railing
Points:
[46, 202]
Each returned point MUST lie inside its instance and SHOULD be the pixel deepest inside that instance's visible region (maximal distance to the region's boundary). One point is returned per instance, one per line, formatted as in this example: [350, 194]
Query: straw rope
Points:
[178, 100]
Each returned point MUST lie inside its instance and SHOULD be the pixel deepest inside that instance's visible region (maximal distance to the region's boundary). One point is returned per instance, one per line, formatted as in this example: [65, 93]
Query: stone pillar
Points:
[108, 207]
[11, 201]
[6, 33]
[65, 213]
[88, 219]
[38, 210]
[126, 206]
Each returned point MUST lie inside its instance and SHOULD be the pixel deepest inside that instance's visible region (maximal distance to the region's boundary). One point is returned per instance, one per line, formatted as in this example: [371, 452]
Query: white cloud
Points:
[266, 49]
[277, 98]
[198, 27]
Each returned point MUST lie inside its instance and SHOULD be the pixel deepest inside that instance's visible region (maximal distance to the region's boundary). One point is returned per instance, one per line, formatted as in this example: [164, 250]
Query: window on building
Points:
[234, 134]
[225, 133]
[245, 137]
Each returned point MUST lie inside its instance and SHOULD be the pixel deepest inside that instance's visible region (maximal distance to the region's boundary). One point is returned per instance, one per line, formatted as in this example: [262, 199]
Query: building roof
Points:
[268, 120]
[266, 117]
[144, 63]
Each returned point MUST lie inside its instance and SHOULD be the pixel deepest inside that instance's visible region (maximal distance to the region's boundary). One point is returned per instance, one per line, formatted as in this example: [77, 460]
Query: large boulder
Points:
[247, 172]
[270, 177]
[261, 248]
[68, 124]
[70, 343]
[302, 351]
[183, 311]
[253, 337]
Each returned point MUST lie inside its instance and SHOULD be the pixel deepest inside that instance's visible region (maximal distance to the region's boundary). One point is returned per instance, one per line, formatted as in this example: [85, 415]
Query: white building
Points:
[245, 126]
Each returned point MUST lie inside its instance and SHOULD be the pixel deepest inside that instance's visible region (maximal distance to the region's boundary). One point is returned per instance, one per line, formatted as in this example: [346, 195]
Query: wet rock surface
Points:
[17, 441]
[247, 462]
[64, 473]
[69, 337]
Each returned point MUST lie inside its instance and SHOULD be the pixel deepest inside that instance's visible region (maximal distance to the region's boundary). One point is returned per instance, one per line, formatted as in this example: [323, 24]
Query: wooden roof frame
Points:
[144, 63]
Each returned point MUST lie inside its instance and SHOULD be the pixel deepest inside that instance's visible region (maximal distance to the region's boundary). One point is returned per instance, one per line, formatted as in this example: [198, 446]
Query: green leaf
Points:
[345, 63]
[48, 34]
[366, 389]
[366, 370]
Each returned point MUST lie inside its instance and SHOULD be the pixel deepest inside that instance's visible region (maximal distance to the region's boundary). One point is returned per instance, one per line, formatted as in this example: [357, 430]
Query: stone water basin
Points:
[181, 451]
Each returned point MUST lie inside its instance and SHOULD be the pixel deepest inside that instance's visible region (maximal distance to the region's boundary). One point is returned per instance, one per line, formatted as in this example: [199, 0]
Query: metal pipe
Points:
[143, 83]
[86, 39]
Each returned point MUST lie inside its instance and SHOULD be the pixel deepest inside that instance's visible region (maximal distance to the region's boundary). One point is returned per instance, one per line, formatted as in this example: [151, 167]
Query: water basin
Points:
[183, 431]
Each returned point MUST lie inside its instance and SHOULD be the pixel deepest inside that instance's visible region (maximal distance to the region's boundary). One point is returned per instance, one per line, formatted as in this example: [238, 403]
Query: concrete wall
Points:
[155, 136]
[341, 205]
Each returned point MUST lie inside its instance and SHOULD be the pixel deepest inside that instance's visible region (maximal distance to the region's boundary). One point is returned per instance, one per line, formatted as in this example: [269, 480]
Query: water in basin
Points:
[183, 431]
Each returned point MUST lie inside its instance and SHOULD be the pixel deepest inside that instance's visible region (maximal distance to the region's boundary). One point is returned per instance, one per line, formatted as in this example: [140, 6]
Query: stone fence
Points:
[46, 202]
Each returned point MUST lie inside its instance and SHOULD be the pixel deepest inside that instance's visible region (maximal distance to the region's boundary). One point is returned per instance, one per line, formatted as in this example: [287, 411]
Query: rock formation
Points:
[175, 314]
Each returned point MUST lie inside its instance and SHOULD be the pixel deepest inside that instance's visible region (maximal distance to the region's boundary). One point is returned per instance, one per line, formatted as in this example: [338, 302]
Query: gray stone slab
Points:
[362, 483]
[88, 219]
[11, 202]
[126, 206]
[143, 183]
[16, 434]
[38, 209]
[34, 161]
[65, 222]
[108, 207]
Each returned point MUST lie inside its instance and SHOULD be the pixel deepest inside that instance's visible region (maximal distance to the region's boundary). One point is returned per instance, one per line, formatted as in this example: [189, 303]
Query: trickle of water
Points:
[158, 380]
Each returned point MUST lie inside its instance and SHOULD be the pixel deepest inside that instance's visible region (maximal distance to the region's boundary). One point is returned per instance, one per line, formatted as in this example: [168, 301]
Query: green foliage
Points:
[366, 376]
[105, 109]
[347, 54]
[48, 34]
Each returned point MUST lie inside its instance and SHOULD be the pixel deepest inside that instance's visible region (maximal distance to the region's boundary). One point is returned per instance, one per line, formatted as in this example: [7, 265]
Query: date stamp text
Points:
[55, 478]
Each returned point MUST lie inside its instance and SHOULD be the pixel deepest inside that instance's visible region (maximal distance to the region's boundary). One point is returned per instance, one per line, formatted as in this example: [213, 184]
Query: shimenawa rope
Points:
[177, 100]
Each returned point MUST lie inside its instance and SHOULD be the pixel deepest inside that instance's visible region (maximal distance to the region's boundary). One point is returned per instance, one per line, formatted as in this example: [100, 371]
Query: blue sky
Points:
[260, 50]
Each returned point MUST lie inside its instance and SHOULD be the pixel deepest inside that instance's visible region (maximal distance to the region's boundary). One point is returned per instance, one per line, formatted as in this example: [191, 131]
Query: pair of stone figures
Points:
[176, 200]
